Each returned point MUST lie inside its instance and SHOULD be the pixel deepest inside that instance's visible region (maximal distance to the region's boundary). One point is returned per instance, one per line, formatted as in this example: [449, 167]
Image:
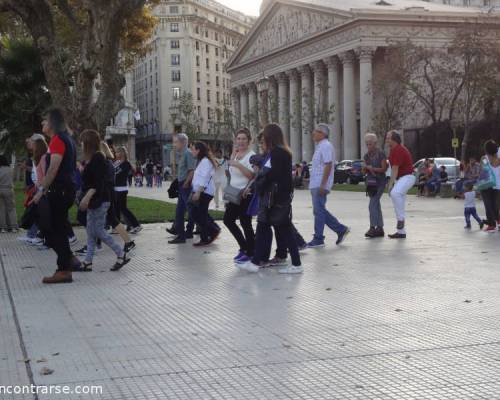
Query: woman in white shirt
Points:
[241, 174]
[203, 189]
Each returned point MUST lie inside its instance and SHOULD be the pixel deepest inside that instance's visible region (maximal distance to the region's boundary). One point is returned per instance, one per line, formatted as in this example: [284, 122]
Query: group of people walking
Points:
[97, 184]
[260, 185]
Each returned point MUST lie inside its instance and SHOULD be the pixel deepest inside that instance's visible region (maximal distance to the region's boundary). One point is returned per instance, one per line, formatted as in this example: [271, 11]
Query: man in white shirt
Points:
[320, 184]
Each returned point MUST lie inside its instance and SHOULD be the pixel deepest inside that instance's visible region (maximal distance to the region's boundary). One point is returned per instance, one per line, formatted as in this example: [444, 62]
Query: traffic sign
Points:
[455, 143]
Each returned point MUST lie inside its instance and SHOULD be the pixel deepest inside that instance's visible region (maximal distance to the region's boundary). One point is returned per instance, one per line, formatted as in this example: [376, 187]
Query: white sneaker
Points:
[36, 241]
[72, 239]
[249, 266]
[292, 269]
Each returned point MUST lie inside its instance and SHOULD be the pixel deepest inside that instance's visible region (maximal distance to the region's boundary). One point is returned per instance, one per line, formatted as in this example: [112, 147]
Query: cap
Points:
[37, 136]
[323, 128]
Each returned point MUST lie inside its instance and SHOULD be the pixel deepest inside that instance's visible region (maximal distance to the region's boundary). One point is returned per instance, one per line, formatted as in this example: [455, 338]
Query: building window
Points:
[197, 61]
[198, 94]
[216, 81]
[174, 10]
[206, 33]
[197, 29]
[207, 62]
[208, 96]
[217, 52]
[198, 76]
[197, 45]
[174, 44]
[216, 36]
[174, 27]
[209, 113]
[217, 66]
[199, 111]
[207, 48]
[176, 59]
[176, 76]
[176, 93]
[217, 97]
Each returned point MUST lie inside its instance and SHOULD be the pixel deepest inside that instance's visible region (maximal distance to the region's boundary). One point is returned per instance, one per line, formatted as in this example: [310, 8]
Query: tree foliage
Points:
[183, 113]
[23, 94]
[84, 47]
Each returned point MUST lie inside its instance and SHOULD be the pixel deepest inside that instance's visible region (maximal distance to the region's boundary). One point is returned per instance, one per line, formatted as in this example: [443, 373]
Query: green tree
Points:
[85, 46]
[183, 112]
[23, 92]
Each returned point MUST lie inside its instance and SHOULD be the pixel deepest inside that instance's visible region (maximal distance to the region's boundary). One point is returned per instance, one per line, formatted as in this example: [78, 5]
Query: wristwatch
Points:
[41, 189]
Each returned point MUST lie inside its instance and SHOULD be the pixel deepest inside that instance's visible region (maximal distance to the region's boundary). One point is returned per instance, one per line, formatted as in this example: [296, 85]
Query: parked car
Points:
[349, 171]
[452, 166]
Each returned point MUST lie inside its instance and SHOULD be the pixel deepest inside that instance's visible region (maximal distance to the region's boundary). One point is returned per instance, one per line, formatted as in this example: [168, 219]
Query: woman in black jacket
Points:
[274, 186]
[123, 169]
[96, 200]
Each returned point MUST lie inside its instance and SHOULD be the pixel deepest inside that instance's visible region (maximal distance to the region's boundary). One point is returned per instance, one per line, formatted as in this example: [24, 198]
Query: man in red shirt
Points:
[402, 179]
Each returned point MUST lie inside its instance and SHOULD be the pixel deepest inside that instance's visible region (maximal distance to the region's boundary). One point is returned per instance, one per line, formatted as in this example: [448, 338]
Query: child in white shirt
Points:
[470, 207]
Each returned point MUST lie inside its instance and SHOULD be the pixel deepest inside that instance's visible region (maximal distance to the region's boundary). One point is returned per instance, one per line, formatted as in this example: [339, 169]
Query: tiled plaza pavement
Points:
[415, 319]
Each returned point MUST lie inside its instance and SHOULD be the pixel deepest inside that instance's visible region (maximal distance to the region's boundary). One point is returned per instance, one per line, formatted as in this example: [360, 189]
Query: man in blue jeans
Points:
[320, 184]
[186, 165]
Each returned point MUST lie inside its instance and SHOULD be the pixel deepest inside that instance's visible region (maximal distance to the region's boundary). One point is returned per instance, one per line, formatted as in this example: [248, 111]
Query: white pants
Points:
[398, 196]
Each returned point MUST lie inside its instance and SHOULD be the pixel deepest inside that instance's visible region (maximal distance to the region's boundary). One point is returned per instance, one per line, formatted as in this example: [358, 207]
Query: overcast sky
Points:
[249, 7]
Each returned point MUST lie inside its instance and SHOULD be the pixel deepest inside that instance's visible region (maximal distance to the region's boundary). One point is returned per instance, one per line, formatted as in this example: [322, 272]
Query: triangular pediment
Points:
[284, 24]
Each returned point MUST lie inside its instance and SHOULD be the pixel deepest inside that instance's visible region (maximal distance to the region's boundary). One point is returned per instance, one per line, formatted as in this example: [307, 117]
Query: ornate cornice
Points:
[331, 62]
[282, 78]
[304, 71]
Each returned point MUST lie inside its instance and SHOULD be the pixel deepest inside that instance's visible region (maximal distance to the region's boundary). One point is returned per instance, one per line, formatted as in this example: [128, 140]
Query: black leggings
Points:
[490, 200]
[121, 208]
[245, 239]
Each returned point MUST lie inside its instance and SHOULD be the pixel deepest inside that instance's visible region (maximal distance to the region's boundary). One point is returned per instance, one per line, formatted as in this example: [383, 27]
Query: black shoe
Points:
[481, 225]
[120, 263]
[370, 233]
[82, 251]
[397, 236]
[128, 247]
[177, 240]
[342, 236]
[378, 232]
[189, 235]
[171, 230]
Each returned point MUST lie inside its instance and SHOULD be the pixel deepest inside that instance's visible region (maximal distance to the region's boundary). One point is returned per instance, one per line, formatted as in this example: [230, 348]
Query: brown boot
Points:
[59, 277]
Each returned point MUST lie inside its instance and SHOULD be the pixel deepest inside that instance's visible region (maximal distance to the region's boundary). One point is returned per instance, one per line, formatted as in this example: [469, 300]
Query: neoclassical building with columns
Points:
[311, 61]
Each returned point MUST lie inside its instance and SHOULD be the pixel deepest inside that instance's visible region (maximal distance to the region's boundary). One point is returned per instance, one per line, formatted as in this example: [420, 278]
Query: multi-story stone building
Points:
[306, 59]
[191, 45]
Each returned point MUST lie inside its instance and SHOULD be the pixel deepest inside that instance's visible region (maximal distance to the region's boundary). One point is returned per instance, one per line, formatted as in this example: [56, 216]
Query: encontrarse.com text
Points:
[50, 389]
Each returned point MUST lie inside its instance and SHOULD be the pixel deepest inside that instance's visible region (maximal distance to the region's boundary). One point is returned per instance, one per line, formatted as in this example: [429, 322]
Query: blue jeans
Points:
[96, 221]
[375, 209]
[471, 211]
[180, 211]
[323, 217]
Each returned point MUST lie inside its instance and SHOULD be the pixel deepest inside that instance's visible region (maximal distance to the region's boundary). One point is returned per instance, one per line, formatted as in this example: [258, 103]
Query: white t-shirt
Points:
[470, 199]
[324, 153]
[238, 180]
[204, 177]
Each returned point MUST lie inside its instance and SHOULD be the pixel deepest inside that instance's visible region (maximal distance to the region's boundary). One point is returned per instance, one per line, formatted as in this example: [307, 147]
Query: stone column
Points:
[253, 116]
[273, 100]
[365, 55]
[295, 115]
[235, 107]
[244, 106]
[351, 145]
[320, 93]
[334, 104]
[307, 112]
[263, 109]
[283, 105]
